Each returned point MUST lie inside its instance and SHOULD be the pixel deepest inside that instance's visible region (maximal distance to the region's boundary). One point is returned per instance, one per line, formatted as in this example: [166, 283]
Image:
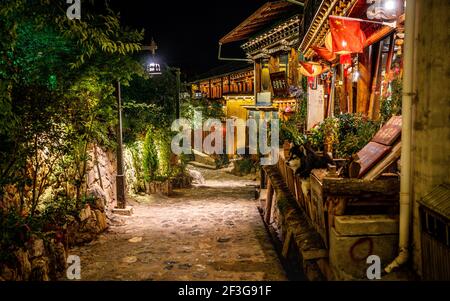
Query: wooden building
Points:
[231, 84]
[358, 84]
[234, 79]
[270, 38]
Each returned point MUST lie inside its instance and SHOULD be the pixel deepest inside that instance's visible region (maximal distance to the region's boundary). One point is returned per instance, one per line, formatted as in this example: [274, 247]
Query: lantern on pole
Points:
[153, 68]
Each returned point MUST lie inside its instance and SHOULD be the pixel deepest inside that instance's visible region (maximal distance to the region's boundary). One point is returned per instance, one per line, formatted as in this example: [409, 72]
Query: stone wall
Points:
[431, 131]
[101, 176]
[43, 257]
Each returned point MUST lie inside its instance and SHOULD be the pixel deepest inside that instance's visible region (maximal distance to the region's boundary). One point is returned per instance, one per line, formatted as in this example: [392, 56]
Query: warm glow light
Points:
[389, 5]
[153, 68]
[344, 43]
[355, 76]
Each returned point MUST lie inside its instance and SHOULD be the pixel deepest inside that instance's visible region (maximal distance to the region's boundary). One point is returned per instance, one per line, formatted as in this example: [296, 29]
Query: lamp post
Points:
[120, 178]
[154, 68]
[121, 207]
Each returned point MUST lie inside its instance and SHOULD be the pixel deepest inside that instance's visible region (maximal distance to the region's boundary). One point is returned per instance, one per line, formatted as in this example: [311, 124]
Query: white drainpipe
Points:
[408, 94]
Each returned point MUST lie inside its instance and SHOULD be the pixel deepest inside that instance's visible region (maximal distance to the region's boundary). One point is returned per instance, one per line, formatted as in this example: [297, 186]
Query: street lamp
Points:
[120, 178]
[121, 208]
[153, 68]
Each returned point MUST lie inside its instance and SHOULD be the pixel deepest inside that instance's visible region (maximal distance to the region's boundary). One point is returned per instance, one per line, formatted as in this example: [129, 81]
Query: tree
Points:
[57, 81]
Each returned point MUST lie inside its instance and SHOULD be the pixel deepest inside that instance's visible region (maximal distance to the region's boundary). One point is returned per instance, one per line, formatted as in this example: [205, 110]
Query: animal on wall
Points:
[303, 159]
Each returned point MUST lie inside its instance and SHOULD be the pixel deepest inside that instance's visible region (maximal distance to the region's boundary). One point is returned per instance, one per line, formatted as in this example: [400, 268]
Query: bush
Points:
[348, 133]
[157, 155]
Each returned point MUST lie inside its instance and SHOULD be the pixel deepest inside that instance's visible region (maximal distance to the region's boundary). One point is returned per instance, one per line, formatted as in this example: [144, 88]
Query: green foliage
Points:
[157, 154]
[148, 101]
[245, 166]
[347, 133]
[14, 231]
[57, 209]
[292, 129]
[57, 93]
[391, 104]
[208, 109]
[150, 156]
[134, 167]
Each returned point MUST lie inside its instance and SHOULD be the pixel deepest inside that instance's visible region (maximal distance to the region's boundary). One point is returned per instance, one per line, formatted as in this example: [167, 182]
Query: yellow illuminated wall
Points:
[235, 107]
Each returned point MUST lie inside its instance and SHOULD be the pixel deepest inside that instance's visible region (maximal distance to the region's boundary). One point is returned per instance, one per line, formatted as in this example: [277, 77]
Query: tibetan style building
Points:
[270, 38]
[231, 84]
[356, 81]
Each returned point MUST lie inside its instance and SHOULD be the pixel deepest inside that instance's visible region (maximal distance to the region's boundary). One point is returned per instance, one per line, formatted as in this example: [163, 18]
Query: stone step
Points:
[203, 158]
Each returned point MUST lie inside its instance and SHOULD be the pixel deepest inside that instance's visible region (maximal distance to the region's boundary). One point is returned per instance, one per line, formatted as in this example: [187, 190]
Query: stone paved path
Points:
[210, 232]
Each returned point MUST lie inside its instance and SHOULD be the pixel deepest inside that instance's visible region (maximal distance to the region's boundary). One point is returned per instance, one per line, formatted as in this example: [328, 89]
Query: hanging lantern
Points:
[345, 59]
[329, 42]
[312, 69]
[153, 68]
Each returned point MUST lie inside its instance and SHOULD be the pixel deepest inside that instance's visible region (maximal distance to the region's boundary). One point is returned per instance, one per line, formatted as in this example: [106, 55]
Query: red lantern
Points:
[346, 59]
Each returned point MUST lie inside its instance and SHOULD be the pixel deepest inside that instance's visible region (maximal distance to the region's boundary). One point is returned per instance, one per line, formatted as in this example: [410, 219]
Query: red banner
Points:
[347, 35]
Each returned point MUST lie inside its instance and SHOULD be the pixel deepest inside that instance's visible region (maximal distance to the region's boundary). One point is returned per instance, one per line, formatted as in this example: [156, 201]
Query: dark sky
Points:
[187, 32]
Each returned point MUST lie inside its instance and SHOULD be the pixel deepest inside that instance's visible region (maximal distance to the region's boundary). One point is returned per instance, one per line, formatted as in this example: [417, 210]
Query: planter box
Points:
[158, 187]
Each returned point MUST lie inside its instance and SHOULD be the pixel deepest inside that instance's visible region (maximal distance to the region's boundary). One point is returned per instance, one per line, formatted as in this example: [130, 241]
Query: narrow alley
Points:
[210, 232]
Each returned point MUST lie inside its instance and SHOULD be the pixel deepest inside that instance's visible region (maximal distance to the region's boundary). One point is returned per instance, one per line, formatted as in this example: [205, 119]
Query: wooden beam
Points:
[375, 87]
[357, 187]
[269, 199]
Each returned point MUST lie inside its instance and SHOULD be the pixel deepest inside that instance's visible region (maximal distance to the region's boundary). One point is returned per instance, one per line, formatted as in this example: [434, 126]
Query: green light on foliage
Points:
[53, 82]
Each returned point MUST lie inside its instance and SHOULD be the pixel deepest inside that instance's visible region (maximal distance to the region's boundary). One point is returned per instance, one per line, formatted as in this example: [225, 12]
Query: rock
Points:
[135, 239]
[99, 196]
[89, 225]
[23, 263]
[8, 274]
[229, 223]
[85, 213]
[37, 248]
[81, 238]
[197, 177]
[185, 266]
[60, 256]
[70, 219]
[101, 220]
[170, 262]
[223, 239]
[200, 275]
[39, 269]
[129, 259]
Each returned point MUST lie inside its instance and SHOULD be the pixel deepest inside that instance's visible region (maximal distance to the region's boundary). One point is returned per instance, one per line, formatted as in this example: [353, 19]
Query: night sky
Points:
[187, 32]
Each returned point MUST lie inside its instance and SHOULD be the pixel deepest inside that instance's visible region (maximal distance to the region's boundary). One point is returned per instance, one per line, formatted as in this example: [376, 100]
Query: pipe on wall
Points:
[406, 170]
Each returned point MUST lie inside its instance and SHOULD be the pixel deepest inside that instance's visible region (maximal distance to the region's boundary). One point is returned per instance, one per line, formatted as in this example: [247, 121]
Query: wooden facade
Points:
[362, 94]
[239, 82]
